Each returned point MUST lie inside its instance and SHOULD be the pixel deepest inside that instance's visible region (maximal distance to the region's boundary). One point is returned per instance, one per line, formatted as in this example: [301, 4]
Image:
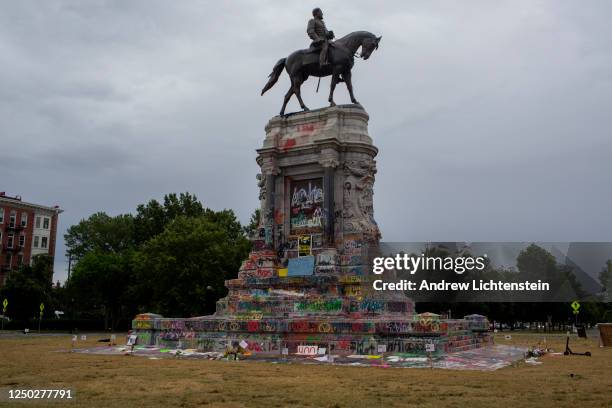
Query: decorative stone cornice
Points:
[268, 164]
[329, 158]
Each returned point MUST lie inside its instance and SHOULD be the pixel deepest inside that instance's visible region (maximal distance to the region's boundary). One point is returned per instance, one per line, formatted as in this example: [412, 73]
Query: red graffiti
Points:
[289, 143]
[310, 127]
[344, 345]
[253, 326]
[300, 326]
[306, 128]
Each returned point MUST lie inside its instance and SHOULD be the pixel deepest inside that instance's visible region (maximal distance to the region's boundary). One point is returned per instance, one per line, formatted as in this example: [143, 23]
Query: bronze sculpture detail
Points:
[319, 35]
[323, 59]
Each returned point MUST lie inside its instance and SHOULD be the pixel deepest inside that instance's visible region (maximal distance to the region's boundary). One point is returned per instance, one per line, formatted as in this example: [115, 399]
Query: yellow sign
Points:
[42, 307]
[4, 305]
[575, 305]
[282, 272]
[304, 245]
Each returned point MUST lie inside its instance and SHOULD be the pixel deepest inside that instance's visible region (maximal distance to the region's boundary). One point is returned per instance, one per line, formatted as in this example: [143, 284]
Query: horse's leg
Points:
[349, 85]
[287, 97]
[297, 85]
[334, 80]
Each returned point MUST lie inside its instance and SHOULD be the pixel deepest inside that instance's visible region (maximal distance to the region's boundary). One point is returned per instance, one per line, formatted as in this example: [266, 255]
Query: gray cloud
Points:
[492, 118]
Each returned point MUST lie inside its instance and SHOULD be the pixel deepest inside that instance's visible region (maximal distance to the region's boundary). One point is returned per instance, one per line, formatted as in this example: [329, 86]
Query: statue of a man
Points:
[319, 34]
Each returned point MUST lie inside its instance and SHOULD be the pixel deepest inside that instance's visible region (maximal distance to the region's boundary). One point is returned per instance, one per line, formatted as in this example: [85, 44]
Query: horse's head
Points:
[368, 45]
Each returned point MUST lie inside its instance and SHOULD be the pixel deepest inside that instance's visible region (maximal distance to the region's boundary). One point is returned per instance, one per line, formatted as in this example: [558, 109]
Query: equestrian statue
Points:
[322, 59]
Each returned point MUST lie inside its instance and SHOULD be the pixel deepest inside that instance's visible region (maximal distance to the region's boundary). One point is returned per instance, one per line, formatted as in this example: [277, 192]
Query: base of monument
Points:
[307, 282]
[337, 335]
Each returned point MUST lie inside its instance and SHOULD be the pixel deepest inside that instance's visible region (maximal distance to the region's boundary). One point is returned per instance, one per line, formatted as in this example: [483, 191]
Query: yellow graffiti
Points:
[352, 291]
[144, 324]
[351, 279]
[427, 320]
[325, 327]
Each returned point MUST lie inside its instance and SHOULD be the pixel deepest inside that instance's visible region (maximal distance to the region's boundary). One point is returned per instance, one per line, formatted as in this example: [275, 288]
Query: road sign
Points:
[575, 305]
[42, 307]
[4, 305]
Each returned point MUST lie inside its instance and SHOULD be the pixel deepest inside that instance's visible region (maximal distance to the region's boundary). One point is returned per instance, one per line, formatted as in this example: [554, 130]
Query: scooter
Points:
[568, 351]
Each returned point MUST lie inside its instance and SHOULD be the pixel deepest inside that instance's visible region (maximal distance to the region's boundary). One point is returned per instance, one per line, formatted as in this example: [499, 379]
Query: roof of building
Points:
[18, 202]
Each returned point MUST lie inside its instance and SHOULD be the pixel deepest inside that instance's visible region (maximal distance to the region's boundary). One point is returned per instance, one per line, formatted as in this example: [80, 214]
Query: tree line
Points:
[172, 257]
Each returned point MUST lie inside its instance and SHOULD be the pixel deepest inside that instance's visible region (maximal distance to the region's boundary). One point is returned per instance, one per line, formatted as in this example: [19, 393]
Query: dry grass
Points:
[114, 381]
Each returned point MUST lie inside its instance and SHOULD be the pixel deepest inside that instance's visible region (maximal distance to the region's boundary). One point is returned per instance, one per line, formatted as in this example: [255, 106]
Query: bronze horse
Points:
[303, 63]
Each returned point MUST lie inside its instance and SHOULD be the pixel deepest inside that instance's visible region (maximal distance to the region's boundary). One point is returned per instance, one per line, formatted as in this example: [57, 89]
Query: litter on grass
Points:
[488, 358]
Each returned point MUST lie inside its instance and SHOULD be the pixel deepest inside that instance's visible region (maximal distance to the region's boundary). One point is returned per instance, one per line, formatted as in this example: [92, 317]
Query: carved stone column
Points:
[329, 161]
[270, 170]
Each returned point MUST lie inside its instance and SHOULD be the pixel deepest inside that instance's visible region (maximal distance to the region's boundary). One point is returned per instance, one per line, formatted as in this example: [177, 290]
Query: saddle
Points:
[311, 54]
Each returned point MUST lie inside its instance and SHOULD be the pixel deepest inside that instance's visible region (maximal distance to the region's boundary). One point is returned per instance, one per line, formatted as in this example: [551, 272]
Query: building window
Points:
[46, 223]
[36, 239]
[43, 242]
[1, 215]
[12, 219]
[24, 219]
[9, 240]
[9, 260]
[21, 240]
[37, 222]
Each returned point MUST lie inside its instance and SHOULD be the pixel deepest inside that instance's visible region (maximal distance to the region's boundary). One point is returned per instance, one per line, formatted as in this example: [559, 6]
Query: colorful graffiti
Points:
[306, 207]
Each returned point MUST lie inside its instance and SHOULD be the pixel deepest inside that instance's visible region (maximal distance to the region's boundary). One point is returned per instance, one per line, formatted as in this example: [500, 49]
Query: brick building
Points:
[26, 230]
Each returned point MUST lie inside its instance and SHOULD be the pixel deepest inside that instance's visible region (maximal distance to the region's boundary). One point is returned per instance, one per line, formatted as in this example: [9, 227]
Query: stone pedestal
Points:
[307, 280]
[311, 253]
[319, 171]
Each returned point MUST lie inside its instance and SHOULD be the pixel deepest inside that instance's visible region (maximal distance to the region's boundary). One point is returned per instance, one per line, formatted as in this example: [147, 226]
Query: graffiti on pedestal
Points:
[306, 207]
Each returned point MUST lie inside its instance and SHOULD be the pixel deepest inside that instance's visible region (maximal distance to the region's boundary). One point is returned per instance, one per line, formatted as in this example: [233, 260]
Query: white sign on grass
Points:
[132, 339]
[308, 350]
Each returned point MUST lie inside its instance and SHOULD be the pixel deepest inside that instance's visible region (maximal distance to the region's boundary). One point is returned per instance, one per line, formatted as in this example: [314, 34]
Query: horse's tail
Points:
[276, 71]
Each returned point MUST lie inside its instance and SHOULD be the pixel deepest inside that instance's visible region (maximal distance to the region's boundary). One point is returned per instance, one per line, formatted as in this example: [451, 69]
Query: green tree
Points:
[100, 233]
[536, 263]
[152, 218]
[170, 258]
[28, 287]
[100, 283]
[182, 270]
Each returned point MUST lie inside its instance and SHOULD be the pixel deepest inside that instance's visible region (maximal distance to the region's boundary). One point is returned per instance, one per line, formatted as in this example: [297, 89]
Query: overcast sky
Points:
[493, 118]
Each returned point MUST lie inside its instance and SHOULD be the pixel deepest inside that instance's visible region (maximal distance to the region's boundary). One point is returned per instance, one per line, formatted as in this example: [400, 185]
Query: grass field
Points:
[125, 381]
